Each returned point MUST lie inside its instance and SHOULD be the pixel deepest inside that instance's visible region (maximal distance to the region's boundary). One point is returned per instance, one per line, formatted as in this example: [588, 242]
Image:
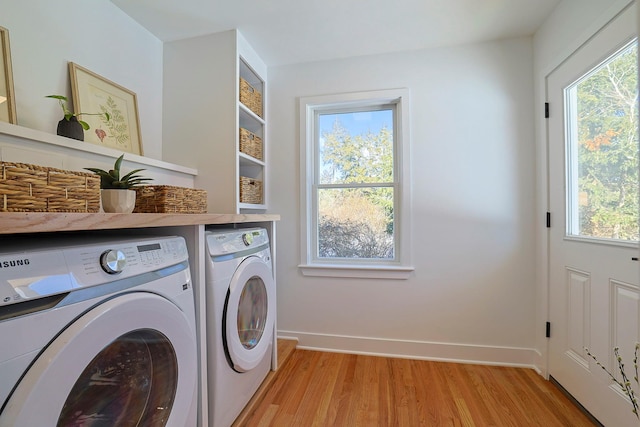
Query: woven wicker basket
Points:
[250, 97]
[250, 144]
[170, 199]
[31, 188]
[250, 190]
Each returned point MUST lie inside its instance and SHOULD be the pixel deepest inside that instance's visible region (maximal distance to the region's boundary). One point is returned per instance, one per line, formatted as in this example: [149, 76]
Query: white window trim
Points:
[402, 267]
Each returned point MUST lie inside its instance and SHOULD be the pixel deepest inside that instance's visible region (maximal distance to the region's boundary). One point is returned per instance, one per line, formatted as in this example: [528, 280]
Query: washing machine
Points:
[97, 331]
[241, 310]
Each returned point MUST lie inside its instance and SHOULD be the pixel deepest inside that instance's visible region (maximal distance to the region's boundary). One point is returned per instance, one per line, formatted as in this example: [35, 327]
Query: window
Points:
[602, 146]
[355, 185]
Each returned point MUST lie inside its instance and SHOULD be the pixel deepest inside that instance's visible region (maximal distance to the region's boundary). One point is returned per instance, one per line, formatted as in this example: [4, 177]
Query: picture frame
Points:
[94, 95]
[7, 95]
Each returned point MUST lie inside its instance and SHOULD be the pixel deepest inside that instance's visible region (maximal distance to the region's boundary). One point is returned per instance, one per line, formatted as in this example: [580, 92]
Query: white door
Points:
[593, 172]
[129, 361]
[249, 314]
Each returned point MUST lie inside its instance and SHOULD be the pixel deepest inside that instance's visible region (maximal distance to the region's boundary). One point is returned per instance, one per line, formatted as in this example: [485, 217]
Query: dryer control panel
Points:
[36, 272]
[221, 242]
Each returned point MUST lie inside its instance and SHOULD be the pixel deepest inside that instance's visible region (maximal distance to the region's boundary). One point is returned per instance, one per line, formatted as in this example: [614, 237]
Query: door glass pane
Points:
[602, 150]
[131, 382]
[252, 312]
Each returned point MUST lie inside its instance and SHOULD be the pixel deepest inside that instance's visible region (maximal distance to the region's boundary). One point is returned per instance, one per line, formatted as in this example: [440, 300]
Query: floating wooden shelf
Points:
[40, 222]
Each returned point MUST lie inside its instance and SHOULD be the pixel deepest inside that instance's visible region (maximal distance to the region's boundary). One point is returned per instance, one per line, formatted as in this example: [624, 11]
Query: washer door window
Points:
[129, 361]
[249, 314]
[130, 382]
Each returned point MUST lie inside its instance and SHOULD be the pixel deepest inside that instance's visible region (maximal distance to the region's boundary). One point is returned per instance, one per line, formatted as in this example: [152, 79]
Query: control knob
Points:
[113, 261]
[247, 238]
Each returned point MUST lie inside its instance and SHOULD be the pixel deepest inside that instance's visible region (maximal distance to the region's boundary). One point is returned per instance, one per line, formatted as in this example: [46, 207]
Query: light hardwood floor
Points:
[314, 388]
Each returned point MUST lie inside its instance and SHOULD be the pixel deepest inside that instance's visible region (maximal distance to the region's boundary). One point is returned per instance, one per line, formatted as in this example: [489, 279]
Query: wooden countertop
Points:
[40, 222]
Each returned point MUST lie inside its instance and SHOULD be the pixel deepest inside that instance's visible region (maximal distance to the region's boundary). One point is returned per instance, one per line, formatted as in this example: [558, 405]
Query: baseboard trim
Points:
[422, 350]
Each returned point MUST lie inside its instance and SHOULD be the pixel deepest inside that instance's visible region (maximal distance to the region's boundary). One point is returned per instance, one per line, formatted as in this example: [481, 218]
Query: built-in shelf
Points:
[254, 121]
[221, 105]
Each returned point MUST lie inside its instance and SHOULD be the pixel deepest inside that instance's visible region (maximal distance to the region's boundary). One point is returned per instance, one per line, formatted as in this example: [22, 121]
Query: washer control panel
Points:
[36, 273]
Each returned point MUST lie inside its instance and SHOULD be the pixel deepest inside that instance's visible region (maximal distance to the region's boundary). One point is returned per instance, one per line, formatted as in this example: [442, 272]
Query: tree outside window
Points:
[603, 143]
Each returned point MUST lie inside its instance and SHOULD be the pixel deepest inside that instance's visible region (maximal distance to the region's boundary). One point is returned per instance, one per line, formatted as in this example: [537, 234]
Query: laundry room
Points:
[458, 222]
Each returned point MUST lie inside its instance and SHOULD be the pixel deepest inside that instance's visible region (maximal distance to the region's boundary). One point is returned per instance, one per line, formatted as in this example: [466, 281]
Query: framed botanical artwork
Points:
[93, 96]
[7, 97]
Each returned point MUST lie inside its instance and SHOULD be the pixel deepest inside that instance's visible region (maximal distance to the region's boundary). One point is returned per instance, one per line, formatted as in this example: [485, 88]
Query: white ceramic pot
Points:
[118, 201]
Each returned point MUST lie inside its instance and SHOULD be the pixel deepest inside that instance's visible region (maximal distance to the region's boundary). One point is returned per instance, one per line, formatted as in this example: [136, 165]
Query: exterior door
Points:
[593, 197]
[130, 361]
[249, 314]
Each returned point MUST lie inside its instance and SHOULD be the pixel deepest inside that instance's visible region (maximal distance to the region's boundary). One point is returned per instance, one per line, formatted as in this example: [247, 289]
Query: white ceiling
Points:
[292, 31]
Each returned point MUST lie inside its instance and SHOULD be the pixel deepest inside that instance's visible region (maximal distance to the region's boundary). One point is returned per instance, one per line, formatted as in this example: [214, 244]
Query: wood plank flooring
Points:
[314, 388]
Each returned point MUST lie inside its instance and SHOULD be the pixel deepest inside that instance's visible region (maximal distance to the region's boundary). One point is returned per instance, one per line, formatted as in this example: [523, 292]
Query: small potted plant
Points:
[117, 191]
[71, 126]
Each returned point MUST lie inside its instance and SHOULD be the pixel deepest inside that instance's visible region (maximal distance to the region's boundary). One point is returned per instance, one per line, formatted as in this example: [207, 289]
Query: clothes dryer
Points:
[241, 311]
[97, 331]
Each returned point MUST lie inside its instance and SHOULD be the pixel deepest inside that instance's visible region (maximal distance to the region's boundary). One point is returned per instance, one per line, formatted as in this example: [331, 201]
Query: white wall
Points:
[474, 185]
[565, 30]
[45, 35]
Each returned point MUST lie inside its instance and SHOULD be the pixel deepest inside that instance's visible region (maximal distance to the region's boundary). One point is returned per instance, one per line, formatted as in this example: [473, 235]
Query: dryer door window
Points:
[107, 363]
[252, 312]
[130, 382]
[249, 314]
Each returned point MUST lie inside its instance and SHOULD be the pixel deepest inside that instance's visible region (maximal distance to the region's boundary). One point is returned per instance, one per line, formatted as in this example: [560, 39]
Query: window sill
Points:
[357, 271]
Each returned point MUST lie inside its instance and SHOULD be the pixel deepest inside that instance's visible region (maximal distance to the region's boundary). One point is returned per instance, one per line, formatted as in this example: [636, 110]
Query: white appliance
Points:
[241, 310]
[95, 331]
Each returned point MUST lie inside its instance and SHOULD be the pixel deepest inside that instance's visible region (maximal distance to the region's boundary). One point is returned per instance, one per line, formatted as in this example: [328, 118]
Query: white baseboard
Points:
[422, 350]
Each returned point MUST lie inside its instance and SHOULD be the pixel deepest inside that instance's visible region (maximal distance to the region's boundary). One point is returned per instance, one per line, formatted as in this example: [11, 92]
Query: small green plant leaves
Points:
[112, 179]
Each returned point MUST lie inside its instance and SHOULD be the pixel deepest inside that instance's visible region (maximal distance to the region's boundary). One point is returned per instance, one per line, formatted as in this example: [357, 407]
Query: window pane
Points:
[356, 223]
[603, 150]
[356, 147]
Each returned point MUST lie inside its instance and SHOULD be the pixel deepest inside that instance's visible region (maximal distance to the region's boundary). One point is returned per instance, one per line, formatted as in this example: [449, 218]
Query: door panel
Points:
[593, 280]
[579, 314]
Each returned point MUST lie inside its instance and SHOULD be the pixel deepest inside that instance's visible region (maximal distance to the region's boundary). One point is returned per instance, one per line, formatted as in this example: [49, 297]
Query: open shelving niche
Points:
[249, 166]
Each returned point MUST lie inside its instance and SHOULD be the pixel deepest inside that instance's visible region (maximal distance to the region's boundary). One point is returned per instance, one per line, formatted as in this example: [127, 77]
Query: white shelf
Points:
[245, 114]
[247, 160]
[252, 206]
[14, 132]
